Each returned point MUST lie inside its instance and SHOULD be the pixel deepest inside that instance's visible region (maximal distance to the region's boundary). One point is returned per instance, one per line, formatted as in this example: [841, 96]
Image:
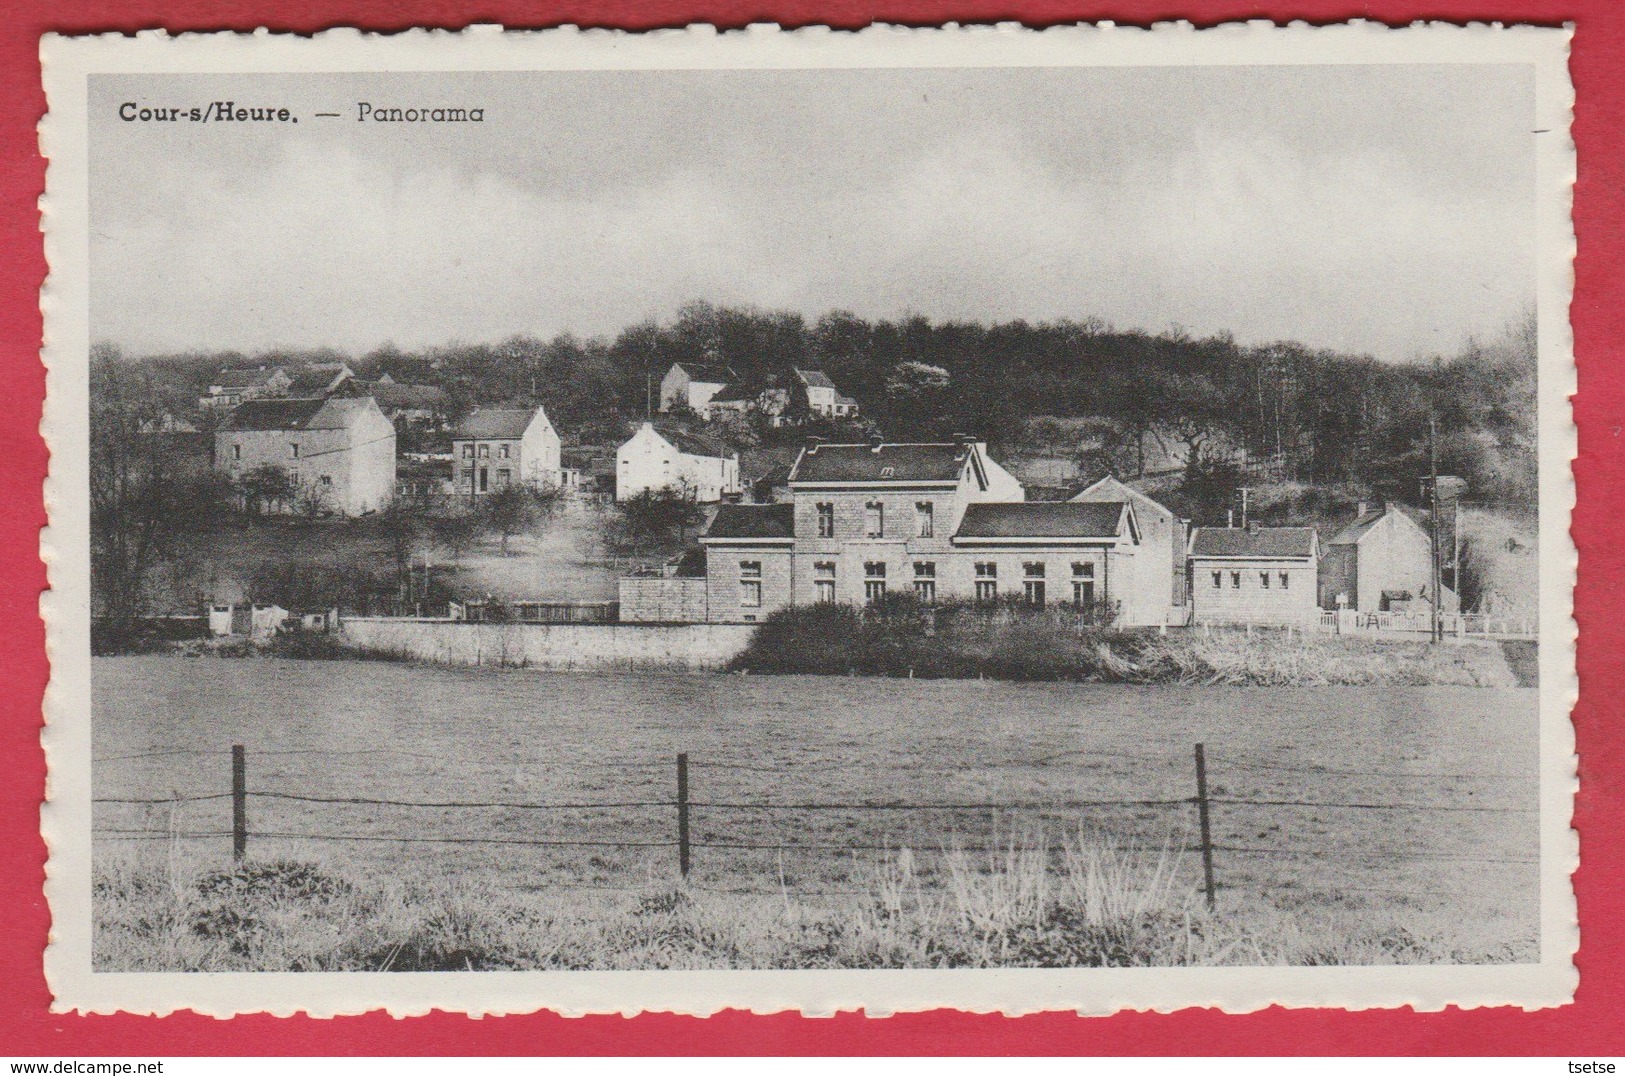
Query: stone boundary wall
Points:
[694, 647]
[665, 601]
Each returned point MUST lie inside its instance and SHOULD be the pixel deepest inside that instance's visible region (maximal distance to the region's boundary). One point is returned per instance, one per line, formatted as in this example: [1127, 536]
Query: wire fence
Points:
[1197, 816]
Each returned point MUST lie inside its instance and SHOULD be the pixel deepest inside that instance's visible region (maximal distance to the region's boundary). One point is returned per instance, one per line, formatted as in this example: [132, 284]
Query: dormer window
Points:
[888, 472]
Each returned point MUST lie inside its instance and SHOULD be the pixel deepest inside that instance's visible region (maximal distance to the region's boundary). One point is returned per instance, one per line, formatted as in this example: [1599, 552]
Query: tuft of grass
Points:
[1082, 903]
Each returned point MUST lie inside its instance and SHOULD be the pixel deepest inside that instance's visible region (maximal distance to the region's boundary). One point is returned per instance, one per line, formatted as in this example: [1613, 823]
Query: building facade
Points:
[1384, 557]
[495, 448]
[1253, 575]
[1160, 562]
[654, 459]
[692, 384]
[339, 454]
[932, 520]
[231, 387]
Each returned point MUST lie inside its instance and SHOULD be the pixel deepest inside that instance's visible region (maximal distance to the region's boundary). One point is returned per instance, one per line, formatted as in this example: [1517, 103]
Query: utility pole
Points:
[1433, 499]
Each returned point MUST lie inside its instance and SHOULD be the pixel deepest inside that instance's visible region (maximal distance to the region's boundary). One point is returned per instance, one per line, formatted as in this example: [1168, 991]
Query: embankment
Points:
[695, 647]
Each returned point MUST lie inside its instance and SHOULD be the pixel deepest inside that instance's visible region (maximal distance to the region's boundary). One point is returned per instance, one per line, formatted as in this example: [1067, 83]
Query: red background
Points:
[1594, 1024]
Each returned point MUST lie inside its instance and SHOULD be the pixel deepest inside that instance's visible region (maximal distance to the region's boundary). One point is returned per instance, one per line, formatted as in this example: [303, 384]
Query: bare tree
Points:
[144, 501]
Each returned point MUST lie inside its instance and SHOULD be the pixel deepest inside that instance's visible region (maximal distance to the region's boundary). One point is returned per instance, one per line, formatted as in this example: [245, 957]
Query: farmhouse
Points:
[940, 521]
[1159, 564]
[338, 453]
[823, 399]
[804, 394]
[1382, 559]
[692, 384]
[499, 447]
[1253, 575]
[231, 387]
[656, 459]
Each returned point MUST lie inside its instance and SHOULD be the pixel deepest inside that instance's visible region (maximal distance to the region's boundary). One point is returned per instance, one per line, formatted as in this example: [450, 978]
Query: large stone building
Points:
[494, 448]
[940, 521]
[339, 453]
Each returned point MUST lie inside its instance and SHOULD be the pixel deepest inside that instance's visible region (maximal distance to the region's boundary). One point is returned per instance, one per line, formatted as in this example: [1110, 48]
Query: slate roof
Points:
[274, 415]
[1259, 542]
[242, 379]
[734, 393]
[1356, 530]
[397, 394]
[493, 425]
[753, 521]
[881, 463]
[692, 443]
[1042, 519]
[712, 373]
[815, 379]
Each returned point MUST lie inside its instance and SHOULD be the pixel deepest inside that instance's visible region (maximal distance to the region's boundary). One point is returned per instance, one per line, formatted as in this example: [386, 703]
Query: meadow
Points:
[1032, 796]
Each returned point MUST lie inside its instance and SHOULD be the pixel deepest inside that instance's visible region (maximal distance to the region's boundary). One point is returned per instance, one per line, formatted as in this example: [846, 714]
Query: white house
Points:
[340, 450]
[495, 448]
[692, 384]
[654, 459]
[231, 387]
[1253, 575]
[1160, 562]
[1383, 558]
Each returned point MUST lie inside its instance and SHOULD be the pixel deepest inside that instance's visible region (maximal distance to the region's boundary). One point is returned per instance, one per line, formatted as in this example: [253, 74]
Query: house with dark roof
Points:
[824, 399]
[339, 453]
[693, 384]
[1253, 575]
[496, 447]
[788, 400]
[656, 458]
[1381, 561]
[236, 385]
[941, 521]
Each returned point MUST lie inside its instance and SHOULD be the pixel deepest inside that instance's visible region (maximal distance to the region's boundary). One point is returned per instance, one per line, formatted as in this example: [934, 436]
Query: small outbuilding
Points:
[1252, 575]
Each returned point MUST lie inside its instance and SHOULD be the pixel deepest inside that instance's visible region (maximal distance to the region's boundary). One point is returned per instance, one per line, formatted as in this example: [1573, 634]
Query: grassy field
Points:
[1004, 768]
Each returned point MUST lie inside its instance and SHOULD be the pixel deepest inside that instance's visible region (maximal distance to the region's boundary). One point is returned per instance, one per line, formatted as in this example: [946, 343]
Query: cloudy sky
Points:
[1386, 210]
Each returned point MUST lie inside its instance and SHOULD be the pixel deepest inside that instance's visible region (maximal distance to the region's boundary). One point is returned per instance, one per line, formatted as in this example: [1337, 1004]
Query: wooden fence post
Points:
[239, 803]
[1202, 817]
[682, 813]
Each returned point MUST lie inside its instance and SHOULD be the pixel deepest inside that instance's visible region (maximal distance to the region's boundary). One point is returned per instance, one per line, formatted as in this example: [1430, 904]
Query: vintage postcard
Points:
[970, 517]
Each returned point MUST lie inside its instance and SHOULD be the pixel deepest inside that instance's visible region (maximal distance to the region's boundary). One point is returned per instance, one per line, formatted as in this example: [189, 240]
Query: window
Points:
[504, 477]
[1264, 580]
[925, 581]
[924, 519]
[485, 452]
[1032, 584]
[874, 520]
[1284, 579]
[502, 452]
[750, 583]
[1216, 577]
[824, 580]
[236, 452]
[874, 580]
[826, 522]
[293, 450]
[1235, 580]
[326, 480]
[987, 581]
[293, 475]
[888, 472]
[468, 452]
[1083, 569]
[1083, 593]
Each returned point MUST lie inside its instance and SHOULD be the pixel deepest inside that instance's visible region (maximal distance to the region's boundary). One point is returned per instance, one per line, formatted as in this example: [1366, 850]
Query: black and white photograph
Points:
[702, 505]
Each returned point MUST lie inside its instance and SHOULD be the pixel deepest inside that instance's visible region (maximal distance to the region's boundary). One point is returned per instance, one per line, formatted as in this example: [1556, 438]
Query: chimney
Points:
[875, 441]
[813, 442]
[1252, 526]
[1230, 518]
[1360, 509]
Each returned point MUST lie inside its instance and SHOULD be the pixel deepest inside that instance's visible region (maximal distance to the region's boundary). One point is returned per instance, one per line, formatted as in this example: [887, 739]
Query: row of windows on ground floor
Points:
[1234, 578]
[295, 475]
[1033, 582]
